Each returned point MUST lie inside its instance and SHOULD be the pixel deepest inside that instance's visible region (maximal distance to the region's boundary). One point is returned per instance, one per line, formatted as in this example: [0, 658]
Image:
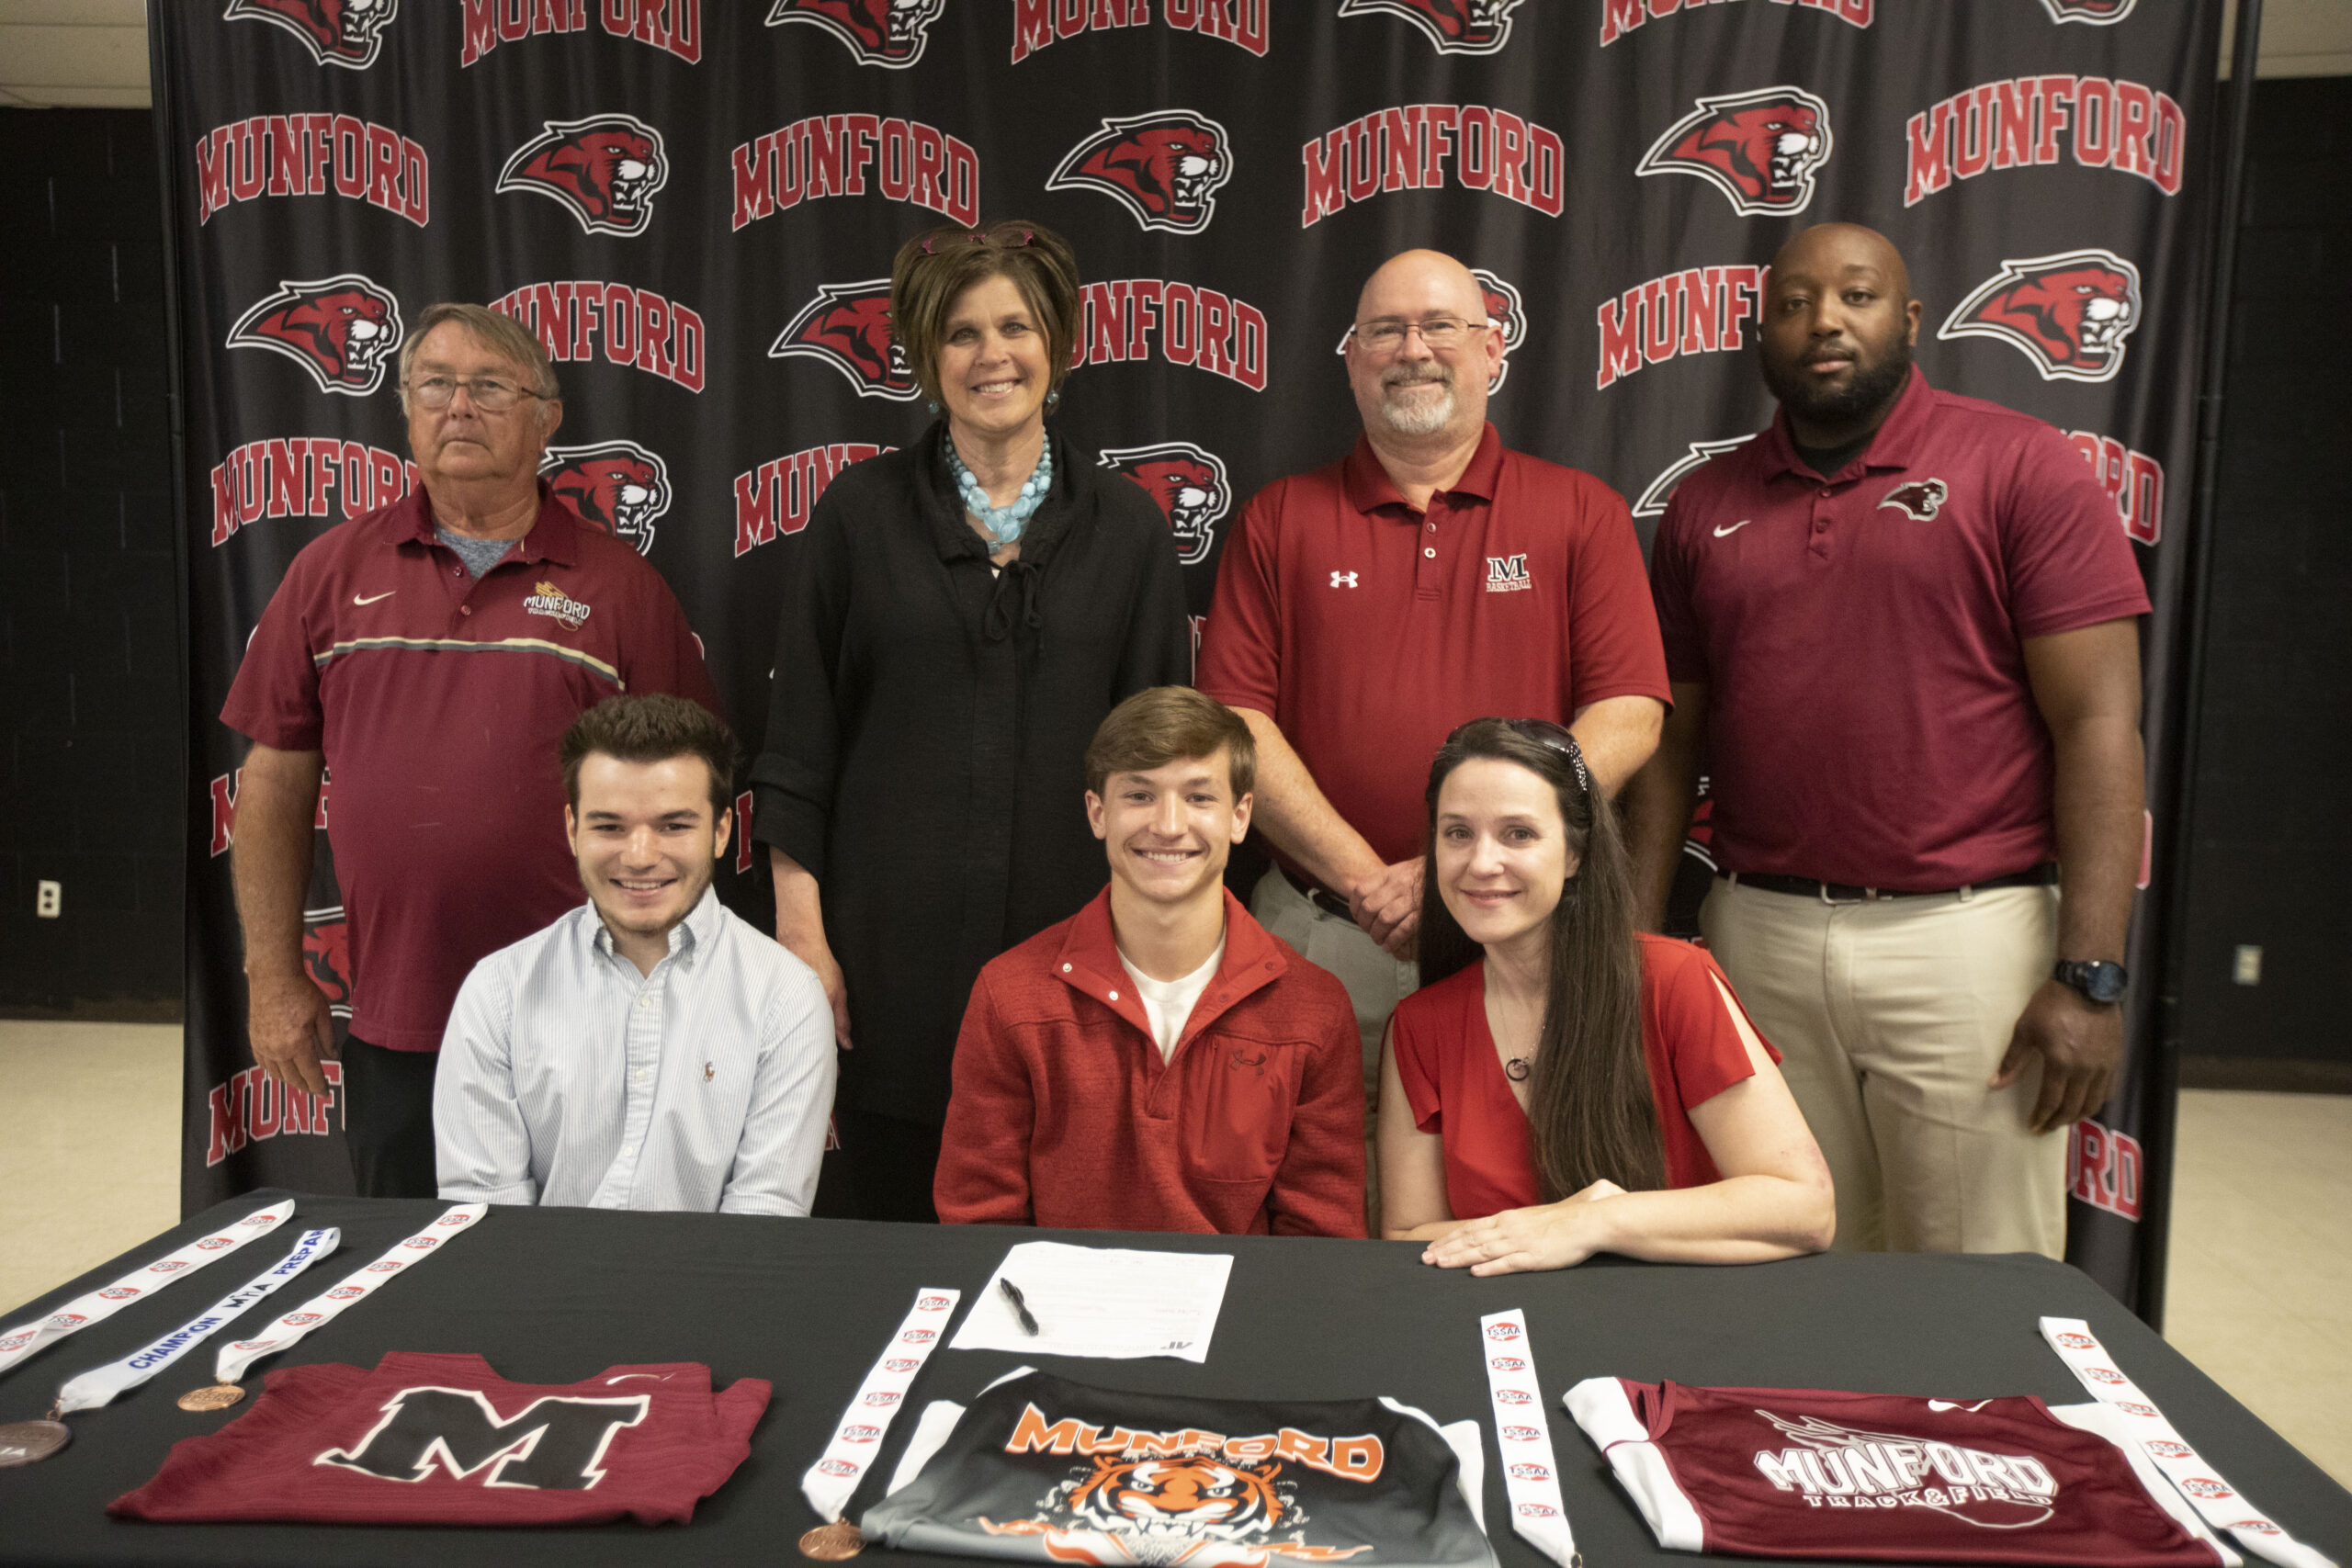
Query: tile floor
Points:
[2261, 1257]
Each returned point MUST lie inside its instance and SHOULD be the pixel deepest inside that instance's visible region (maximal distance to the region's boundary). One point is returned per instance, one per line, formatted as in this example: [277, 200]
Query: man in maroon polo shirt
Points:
[431, 655]
[1900, 629]
[1430, 577]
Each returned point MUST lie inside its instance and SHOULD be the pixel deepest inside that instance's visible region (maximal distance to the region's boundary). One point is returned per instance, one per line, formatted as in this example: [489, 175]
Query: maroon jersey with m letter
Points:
[429, 1439]
[1887, 1477]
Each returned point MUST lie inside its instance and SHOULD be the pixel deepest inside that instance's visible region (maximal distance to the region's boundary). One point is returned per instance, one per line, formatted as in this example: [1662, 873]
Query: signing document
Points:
[1100, 1301]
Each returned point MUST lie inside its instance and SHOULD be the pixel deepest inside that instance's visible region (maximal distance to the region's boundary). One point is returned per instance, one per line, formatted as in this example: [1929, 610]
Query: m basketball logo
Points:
[1453, 27]
[2097, 13]
[2068, 313]
[1652, 502]
[1189, 484]
[889, 33]
[326, 953]
[1504, 311]
[847, 325]
[342, 329]
[1760, 149]
[617, 485]
[605, 170]
[348, 33]
[1164, 168]
[1921, 499]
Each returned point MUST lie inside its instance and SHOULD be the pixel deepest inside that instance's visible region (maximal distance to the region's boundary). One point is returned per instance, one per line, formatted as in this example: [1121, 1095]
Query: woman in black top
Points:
[957, 618]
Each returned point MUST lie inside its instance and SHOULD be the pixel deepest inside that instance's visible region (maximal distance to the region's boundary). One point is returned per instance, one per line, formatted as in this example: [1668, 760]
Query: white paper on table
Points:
[1110, 1302]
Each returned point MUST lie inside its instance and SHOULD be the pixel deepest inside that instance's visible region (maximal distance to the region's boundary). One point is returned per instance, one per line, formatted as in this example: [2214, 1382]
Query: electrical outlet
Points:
[2248, 969]
[46, 898]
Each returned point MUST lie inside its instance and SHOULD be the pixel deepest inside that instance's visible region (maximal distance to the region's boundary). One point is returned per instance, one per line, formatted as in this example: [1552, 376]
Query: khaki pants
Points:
[1376, 984]
[1893, 1015]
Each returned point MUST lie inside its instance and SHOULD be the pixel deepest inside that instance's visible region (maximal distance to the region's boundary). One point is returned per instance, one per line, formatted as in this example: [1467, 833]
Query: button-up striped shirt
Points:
[568, 1077]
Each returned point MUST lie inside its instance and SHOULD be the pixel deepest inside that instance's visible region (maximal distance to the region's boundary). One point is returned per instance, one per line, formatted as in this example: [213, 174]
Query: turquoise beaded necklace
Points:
[1004, 523]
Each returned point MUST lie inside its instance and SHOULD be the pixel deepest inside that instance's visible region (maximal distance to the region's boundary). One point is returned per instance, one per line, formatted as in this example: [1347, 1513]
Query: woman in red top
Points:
[1562, 1085]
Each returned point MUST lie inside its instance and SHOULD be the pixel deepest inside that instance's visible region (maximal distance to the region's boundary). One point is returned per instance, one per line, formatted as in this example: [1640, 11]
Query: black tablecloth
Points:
[554, 1295]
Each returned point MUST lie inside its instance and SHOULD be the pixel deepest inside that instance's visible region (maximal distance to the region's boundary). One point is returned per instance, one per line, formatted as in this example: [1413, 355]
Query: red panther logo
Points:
[2067, 313]
[889, 33]
[604, 169]
[847, 325]
[326, 952]
[1921, 499]
[336, 32]
[1188, 482]
[2097, 13]
[1504, 310]
[1164, 168]
[1760, 149]
[617, 486]
[342, 329]
[1453, 27]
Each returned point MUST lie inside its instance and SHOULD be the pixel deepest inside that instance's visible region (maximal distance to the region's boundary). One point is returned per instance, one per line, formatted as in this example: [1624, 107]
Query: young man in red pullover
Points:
[1158, 1062]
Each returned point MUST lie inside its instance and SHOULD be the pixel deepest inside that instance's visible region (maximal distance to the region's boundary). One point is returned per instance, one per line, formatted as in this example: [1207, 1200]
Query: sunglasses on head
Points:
[940, 244]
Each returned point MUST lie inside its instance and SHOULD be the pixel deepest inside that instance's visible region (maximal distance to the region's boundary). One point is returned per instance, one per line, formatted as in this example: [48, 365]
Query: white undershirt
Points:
[1168, 1003]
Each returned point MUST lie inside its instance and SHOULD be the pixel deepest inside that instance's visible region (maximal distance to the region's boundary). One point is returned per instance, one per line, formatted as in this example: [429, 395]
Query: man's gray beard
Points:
[1418, 419]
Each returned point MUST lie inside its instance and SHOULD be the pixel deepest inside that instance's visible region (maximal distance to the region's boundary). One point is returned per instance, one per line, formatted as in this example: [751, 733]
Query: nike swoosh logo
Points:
[386, 595]
[1735, 527]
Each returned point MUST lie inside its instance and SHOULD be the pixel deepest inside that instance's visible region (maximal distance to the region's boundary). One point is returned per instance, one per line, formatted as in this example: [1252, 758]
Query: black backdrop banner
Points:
[695, 204]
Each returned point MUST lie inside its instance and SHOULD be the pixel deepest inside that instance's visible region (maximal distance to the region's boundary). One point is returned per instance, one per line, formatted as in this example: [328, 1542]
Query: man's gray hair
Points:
[504, 334]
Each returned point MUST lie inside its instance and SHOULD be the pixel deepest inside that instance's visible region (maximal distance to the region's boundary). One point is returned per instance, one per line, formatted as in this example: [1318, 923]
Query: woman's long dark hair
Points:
[1590, 1107]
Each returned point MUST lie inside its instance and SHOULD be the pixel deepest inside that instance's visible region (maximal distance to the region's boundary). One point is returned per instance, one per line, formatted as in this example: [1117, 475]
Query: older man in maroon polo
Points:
[429, 656]
[1429, 578]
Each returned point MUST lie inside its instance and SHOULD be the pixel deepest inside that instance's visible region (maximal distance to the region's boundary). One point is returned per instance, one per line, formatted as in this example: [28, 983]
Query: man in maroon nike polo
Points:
[429, 656]
[1901, 627]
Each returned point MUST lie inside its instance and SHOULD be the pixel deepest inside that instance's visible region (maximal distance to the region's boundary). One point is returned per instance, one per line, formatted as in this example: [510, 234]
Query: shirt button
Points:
[1431, 554]
[1821, 528]
[465, 609]
[1115, 996]
[1065, 969]
[1824, 490]
[645, 1002]
[1432, 527]
[638, 1074]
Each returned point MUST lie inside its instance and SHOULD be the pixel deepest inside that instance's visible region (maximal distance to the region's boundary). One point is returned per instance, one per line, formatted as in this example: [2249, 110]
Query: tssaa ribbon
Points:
[100, 1385]
[98, 1305]
[239, 1354]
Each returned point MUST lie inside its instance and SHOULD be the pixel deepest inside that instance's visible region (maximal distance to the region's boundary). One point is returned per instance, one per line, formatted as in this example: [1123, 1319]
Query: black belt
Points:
[1330, 903]
[2043, 875]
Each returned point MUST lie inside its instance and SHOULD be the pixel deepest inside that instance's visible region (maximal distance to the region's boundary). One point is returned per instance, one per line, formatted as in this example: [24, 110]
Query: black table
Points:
[556, 1295]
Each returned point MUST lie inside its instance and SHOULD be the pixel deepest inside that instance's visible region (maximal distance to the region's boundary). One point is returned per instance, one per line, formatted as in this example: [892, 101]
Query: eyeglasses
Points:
[1386, 334]
[490, 394]
[940, 244]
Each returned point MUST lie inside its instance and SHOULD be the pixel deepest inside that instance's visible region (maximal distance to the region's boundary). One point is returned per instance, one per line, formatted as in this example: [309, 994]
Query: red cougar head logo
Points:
[326, 952]
[1164, 168]
[617, 486]
[336, 32]
[2097, 13]
[2067, 313]
[342, 329]
[1920, 499]
[605, 170]
[847, 325]
[1760, 149]
[1453, 27]
[1188, 482]
[889, 33]
[1504, 310]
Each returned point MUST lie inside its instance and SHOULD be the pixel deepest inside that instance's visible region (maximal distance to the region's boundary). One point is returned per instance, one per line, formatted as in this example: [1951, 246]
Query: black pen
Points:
[1012, 1293]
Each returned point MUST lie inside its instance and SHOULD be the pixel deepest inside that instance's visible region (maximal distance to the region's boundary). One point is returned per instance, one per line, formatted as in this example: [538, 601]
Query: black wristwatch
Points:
[2097, 980]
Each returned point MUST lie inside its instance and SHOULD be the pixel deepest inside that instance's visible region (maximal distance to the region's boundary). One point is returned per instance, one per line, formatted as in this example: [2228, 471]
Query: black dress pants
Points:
[888, 1165]
[388, 1120]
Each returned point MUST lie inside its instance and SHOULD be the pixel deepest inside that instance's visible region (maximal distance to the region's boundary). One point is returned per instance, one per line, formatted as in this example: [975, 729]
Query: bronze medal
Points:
[833, 1543]
[213, 1396]
[27, 1442]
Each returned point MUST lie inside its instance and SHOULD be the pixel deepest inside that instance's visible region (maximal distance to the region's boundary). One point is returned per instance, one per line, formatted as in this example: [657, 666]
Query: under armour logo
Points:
[1343, 580]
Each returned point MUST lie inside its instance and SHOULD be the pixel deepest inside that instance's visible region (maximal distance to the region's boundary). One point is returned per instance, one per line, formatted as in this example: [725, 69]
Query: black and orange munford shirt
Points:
[438, 700]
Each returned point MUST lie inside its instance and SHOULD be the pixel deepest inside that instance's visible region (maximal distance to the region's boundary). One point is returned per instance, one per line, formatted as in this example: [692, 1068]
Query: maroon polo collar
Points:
[1897, 438]
[1369, 486]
